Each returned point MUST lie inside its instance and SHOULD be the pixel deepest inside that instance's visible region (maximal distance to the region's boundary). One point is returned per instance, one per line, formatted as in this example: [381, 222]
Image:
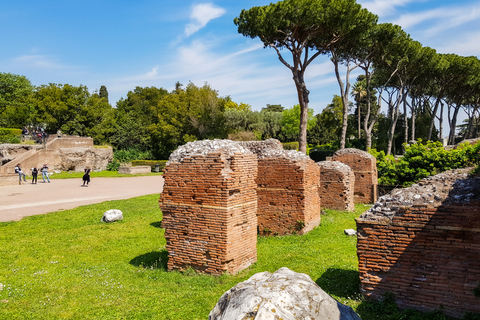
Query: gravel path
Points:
[18, 201]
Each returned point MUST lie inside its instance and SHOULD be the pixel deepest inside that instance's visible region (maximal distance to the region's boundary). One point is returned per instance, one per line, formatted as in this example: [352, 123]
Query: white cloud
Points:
[201, 15]
[445, 18]
[384, 8]
[37, 61]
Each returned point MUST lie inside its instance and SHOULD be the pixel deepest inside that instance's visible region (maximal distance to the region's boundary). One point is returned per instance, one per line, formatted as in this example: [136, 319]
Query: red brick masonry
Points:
[209, 207]
[288, 200]
[337, 182]
[423, 244]
[364, 165]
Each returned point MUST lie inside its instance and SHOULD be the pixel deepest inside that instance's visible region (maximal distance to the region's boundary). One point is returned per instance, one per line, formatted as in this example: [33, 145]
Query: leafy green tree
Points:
[273, 108]
[59, 106]
[307, 29]
[16, 105]
[328, 125]
[103, 93]
[290, 122]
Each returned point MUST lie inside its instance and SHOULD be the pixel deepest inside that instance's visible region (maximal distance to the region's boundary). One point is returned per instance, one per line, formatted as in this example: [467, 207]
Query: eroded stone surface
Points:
[262, 147]
[451, 186]
[204, 147]
[284, 294]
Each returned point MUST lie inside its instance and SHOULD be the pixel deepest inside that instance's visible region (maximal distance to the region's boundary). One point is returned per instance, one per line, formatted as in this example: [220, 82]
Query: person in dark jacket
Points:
[86, 177]
[34, 175]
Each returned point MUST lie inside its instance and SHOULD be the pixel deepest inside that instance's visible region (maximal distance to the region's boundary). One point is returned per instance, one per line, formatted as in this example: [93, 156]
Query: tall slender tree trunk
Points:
[359, 120]
[432, 121]
[344, 89]
[440, 126]
[303, 100]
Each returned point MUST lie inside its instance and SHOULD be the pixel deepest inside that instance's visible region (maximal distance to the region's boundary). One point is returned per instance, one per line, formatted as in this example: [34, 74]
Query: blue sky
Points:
[124, 44]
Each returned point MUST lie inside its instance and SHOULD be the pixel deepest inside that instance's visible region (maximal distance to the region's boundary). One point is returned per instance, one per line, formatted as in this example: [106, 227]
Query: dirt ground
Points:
[18, 201]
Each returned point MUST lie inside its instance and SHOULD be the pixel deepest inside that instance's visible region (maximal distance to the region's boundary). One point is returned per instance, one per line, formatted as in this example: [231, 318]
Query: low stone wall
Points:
[287, 190]
[9, 179]
[422, 244]
[135, 170]
[336, 187]
[364, 165]
[209, 204]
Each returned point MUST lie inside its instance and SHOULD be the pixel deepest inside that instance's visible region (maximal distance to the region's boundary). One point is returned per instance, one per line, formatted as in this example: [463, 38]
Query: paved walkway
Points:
[18, 201]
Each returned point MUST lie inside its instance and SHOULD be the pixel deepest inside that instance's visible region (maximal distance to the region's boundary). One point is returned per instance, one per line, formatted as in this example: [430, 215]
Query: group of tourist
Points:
[35, 170]
[44, 171]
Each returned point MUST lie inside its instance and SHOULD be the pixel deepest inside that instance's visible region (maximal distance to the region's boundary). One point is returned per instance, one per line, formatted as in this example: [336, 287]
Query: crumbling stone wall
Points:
[423, 244]
[209, 204]
[364, 165]
[287, 191]
[336, 187]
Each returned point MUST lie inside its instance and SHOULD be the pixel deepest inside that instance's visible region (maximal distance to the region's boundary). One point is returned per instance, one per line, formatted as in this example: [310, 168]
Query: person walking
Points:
[45, 173]
[34, 175]
[86, 177]
[20, 173]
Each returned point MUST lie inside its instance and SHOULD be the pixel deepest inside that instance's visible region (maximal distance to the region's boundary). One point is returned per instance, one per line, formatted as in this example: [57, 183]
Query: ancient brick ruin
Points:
[336, 187]
[209, 206]
[287, 191]
[364, 165]
[423, 244]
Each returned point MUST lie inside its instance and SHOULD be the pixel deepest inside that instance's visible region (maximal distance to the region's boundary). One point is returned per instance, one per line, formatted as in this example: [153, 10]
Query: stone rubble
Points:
[448, 187]
[112, 215]
[284, 294]
[204, 147]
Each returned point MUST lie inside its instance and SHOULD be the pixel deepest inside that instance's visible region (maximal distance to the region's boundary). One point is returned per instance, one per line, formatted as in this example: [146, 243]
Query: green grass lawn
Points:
[69, 265]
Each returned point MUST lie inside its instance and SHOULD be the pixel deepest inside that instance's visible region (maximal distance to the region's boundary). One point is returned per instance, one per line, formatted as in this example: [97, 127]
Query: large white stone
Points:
[112, 215]
[284, 294]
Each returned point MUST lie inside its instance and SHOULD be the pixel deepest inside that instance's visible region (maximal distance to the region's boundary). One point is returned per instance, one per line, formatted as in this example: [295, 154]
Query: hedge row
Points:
[151, 163]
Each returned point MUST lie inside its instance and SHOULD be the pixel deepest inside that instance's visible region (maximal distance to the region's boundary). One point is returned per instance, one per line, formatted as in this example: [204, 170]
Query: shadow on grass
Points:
[341, 283]
[157, 224]
[152, 260]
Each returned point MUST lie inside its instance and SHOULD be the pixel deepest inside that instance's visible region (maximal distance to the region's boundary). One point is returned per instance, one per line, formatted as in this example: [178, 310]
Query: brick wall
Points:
[424, 248]
[287, 191]
[364, 165]
[336, 186]
[209, 207]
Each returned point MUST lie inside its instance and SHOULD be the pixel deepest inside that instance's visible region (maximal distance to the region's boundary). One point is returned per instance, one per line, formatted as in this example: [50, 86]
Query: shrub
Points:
[113, 166]
[290, 145]
[423, 160]
[128, 155]
[9, 135]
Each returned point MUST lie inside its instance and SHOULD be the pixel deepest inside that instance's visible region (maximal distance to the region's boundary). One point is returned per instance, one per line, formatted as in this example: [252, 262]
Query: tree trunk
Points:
[303, 100]
[344, 89]
[453, 125]
[359, 135]
[440, 127]
[432, 121]
[395, 112]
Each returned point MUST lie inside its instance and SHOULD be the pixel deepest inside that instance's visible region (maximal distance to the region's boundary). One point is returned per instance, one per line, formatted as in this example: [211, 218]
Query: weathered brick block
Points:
[422, 244]
[336, 187]
[364, 165]
[288, 200]
[209, 206]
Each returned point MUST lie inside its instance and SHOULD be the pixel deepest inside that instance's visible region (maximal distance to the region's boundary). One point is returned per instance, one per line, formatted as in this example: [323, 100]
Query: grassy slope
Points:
[69, 265]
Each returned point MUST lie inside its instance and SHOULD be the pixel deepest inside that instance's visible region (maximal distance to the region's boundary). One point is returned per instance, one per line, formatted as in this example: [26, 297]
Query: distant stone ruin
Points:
[209, 206]
[364, 165]
[423, 244]
[336, 187]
